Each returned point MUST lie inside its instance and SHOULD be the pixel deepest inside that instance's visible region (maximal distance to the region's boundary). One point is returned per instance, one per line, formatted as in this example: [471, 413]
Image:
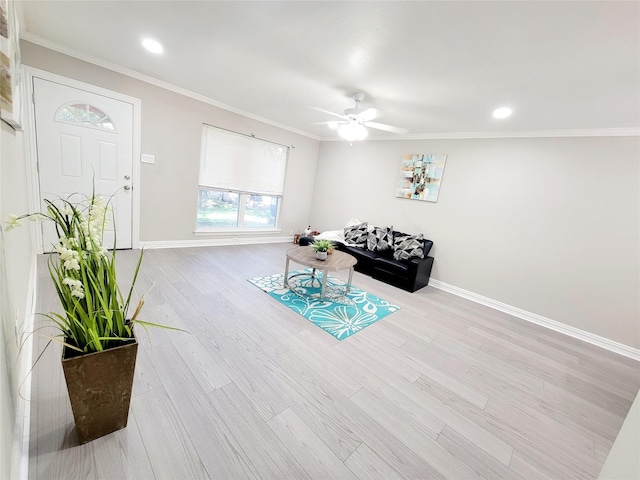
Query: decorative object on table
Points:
[356, 311]
[420, 176]
[321, 247]
[307, 231]
[94, 327]
[296, 238]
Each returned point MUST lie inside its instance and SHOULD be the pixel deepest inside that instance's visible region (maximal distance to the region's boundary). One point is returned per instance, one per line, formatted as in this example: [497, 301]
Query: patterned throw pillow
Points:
[356, 234]
[380, 239]
[409, 246]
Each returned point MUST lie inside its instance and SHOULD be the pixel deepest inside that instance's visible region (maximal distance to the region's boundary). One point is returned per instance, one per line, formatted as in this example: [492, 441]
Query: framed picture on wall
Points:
[420, 176]
[10, 95]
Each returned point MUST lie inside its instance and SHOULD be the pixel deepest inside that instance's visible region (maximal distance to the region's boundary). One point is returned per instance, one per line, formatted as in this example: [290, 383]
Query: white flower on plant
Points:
[12, 222]
[93, 224]
[64, 252]
[71, 264]
[84, 226]
[70, 243]
[77, 289]
[72, 282]
[77, 293]
[69, 257]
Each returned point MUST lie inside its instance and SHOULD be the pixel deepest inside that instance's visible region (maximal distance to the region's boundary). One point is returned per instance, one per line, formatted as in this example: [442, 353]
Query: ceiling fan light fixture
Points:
[354, 123]
[353, 131]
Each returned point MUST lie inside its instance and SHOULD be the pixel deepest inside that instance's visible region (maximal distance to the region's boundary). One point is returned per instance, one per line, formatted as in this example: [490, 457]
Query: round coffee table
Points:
[307, 257]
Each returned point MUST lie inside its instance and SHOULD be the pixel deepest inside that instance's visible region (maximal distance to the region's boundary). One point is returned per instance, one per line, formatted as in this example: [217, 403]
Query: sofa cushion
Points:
[380, 239]
[356, 234]
[408, 246]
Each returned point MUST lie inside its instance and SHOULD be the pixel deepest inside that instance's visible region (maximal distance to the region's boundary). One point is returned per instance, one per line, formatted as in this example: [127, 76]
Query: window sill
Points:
[236, 231]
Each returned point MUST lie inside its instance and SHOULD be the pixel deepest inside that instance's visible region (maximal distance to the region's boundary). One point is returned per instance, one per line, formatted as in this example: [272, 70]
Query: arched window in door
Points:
[85, 115]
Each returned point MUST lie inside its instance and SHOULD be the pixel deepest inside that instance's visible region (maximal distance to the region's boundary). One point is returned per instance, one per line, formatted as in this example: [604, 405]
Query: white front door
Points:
[84, 142]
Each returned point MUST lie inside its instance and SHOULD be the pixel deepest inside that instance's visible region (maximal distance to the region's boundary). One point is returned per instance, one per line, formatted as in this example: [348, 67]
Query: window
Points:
[241, 182]
[85, 115]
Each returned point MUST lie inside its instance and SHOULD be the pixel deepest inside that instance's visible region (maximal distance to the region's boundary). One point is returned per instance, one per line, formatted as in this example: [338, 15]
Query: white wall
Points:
[171, 130]
[16, 262]
[623, 461]
[548, 225]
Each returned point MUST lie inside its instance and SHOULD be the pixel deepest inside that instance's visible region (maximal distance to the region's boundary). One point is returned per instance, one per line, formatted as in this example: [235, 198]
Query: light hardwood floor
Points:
[443, 388]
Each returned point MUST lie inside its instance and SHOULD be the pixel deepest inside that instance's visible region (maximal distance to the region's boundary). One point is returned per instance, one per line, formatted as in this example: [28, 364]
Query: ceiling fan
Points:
[354, 121]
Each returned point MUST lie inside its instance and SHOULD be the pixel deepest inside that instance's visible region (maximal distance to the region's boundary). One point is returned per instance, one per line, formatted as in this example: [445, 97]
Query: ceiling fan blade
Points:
[386, 128]
[330, 113]
[335, 122]
[368, 114]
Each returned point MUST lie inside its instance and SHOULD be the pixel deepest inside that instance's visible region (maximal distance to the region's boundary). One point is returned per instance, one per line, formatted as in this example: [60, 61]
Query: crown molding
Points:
[568, 133]
[29, 37]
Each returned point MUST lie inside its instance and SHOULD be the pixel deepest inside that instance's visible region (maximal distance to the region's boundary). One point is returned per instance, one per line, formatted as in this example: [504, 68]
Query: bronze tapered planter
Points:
[99, 386]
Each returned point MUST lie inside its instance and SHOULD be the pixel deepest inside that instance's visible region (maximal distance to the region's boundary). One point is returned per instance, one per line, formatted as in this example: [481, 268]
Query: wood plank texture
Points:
[443, 388]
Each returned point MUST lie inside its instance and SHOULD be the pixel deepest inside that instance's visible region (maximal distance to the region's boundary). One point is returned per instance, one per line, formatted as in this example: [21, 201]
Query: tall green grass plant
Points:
[94, 313]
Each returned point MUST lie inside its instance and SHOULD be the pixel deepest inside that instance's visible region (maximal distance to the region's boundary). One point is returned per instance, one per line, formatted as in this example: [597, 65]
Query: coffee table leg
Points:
[324, 284]
[286, 273]
[350, 277]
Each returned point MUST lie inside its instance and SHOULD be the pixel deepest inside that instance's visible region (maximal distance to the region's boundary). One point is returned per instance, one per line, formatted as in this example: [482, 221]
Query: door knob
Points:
[127, 187]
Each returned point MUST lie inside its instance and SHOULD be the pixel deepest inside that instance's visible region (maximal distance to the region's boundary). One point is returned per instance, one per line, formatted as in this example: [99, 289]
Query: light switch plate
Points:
[144, 158]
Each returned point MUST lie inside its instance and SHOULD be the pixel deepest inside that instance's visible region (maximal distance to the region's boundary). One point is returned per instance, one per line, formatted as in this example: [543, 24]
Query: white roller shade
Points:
[231, 161]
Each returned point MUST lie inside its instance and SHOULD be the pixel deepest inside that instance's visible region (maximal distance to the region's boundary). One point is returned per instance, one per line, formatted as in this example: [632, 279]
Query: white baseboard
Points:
[214, 242]
[20, 454]
[597, 340]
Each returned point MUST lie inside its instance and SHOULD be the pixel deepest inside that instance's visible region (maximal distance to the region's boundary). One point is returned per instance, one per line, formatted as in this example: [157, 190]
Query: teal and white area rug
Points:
[338, 314]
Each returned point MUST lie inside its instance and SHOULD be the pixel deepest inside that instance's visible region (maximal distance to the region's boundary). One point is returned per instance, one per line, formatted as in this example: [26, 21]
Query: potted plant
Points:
[321, 247]
[94, 326]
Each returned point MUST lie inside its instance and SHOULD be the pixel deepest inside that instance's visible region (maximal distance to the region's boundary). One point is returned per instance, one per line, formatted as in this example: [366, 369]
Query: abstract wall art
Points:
[10, 95]
[420, 176]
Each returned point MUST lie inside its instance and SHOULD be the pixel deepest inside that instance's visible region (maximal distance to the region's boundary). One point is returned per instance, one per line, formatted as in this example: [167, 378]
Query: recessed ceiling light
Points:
[502, 112]
[152, 45]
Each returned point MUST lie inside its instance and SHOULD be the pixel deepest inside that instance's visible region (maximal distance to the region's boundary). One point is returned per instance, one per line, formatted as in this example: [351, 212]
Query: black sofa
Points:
[409, 275]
